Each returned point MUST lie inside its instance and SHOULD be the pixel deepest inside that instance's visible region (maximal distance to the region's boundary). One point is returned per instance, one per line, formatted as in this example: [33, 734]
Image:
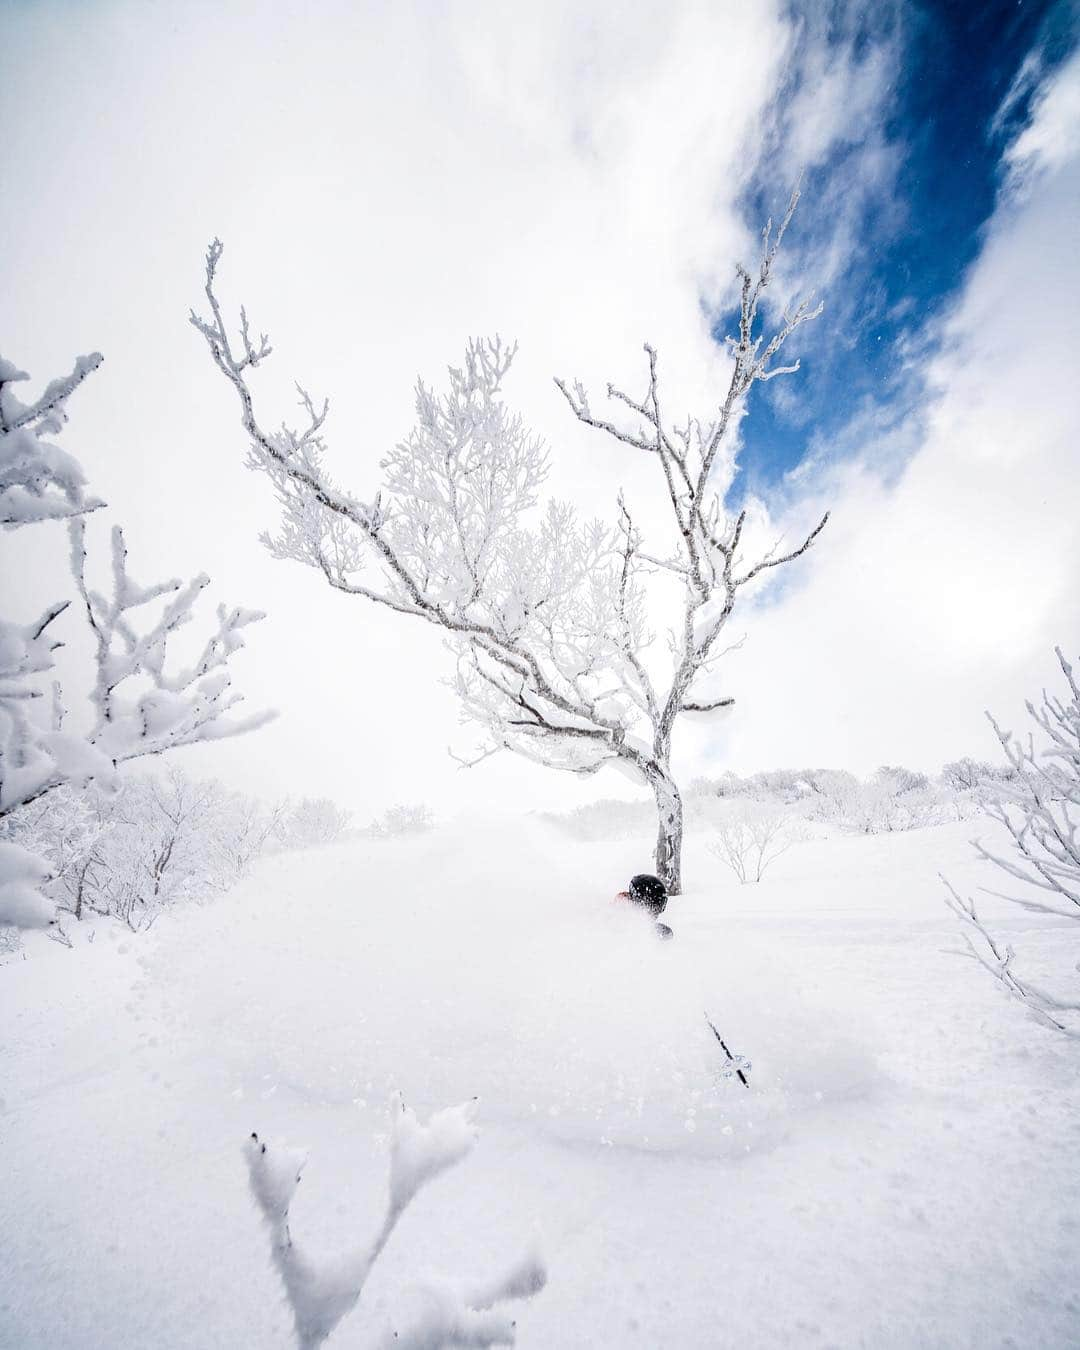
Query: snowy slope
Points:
[902, 1172]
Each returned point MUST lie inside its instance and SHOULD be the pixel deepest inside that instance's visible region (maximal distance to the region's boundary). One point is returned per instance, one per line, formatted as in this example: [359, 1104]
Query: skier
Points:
[650, 894]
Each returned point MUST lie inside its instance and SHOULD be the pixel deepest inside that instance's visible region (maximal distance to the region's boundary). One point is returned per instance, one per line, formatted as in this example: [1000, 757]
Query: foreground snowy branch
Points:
[38, 754]
[38, 480]
[321, 1292]
[547, 614]
[998, 960]
[1038, 803]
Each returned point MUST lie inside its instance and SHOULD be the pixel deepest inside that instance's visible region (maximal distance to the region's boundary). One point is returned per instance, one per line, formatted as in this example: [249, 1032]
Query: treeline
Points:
[158, 841]
[893, 798]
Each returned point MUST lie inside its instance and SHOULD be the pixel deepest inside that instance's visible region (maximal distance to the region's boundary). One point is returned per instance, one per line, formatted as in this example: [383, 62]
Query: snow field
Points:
[901, 1173]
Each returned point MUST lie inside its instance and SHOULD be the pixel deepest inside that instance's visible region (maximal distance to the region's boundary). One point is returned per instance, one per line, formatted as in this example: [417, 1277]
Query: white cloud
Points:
[388, 179]
[1048, 141]
[943, 593]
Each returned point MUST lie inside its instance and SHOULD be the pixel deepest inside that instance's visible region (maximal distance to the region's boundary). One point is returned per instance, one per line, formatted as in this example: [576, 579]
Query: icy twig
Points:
[998, 961]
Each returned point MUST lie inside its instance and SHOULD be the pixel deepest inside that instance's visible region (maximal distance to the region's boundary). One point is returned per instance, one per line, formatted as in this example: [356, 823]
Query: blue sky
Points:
[953, 103]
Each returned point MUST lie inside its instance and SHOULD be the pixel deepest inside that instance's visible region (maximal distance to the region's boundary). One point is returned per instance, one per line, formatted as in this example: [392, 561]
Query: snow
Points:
[77, 760]
[420, 1152]
[901, 1171]
[21, 904]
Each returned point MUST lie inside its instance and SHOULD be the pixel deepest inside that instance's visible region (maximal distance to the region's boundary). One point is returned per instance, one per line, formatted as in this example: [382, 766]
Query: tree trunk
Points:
[669, 838]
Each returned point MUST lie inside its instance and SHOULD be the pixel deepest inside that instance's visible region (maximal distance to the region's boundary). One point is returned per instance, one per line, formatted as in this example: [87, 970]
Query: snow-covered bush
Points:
[1038, 804]
[64, 828]
[323, 1290]
[892, 799]
[157, 841]
[608, 818]
[140, 703]
[132, 853]
[311, 822]
[751, 835]
[417, 818]
[970, 775]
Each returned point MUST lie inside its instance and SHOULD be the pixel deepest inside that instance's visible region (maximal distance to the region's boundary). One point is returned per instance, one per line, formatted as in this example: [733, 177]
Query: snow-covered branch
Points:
[998, 960]
[130, 721]
[139, 705]
[1037, 801]
[1039, 805]
[38, 480]
[321, 1292]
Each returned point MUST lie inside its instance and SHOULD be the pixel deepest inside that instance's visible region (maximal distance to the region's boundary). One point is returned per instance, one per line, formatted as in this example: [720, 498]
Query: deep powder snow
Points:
[901, 1173]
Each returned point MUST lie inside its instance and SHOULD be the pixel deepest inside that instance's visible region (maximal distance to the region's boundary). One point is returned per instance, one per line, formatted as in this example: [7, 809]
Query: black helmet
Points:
[648, 891]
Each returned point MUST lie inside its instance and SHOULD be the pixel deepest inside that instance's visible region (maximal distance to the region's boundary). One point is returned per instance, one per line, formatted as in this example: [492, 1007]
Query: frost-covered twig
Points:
[1038, 803]
[321, 1292]
[998, 960]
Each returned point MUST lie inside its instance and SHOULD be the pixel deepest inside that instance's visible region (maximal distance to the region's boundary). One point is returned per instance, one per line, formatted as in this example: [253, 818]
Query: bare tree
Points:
[140, 705]
[548, 620]
[753, 835]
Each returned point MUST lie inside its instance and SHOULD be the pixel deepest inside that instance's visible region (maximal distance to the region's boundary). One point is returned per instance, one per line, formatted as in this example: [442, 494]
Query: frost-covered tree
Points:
[311, 822]
[157, 841]
[1038, 804]
[974, 775]
[403, 819]
[66, 830]
[751, 836]
[323, 1290]
[549, 617]
[141, 703]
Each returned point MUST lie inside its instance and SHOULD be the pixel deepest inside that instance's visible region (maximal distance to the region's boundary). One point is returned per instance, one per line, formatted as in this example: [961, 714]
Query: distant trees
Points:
[972, 775]
[890, 800]
[310, 822]
[1038, 804]
[403, 819]
[549, 617]
[141, 702]
[156, 841]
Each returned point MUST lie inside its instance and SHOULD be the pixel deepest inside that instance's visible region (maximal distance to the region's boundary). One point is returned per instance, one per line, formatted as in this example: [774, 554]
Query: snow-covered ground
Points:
[902, 1173]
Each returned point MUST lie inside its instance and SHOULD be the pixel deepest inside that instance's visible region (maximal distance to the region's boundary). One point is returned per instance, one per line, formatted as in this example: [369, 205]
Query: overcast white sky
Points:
[389, 179]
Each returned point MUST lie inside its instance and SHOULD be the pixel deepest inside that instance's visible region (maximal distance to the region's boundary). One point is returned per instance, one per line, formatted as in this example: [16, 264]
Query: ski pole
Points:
[739, 1073]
